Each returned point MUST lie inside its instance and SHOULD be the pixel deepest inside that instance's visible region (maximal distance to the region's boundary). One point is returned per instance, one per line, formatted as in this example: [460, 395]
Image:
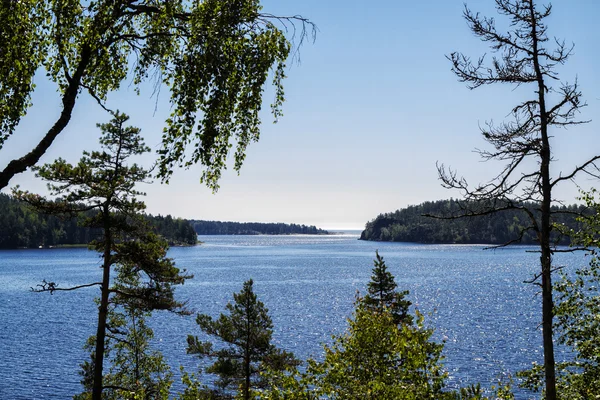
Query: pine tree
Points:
[246, 331]
[104, 183]
[382, 293]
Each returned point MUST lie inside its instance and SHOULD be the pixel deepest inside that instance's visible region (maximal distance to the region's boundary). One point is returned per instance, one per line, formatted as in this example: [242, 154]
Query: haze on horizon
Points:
[371, 106]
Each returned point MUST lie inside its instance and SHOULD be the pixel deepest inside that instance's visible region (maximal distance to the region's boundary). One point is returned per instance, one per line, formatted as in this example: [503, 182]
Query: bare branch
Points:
[591, 162]
[53, 287]
[518, 239]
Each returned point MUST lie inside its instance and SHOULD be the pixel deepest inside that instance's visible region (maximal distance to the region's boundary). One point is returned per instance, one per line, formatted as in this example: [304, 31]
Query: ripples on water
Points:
[474, 299]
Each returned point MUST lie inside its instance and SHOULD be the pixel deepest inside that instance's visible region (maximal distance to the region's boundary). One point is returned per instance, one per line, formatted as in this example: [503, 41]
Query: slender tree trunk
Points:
[136, 348]
[103, 309]
[247, 352]
[546, 257]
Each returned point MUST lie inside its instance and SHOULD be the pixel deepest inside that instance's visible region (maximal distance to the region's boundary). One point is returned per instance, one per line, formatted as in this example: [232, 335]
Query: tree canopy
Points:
[576, 316]
[383, 354]
[22, 226]
[253, 228]
[215, 57]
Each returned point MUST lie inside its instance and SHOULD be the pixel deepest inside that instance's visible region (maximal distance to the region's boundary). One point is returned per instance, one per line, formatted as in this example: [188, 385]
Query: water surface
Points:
[476, 300]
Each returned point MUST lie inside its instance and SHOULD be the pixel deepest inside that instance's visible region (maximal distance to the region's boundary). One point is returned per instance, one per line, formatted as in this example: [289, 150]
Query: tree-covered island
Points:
[254, 228]
[416, 224]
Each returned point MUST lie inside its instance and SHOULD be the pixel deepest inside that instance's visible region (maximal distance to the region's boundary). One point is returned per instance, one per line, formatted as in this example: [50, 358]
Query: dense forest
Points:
[23, 227]
[253, 228]
[412, 224]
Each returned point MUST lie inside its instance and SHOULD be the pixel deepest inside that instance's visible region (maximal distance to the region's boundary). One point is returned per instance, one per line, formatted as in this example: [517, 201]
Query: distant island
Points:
[410, 225]
[23, 227]
[253, 228]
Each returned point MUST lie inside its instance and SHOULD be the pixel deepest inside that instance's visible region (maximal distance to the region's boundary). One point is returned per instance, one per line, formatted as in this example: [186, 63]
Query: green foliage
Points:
[103, 183]
[378, 360]
[474, 392]
[385, 354]
[253, 228]
[412, 225]
[136, 371]
[194, 390]
[22, 226]
[21, 57]
[246, 334]
[374, 359]
[576, 316]
[214, 56]
[176, 231]
[382, 294]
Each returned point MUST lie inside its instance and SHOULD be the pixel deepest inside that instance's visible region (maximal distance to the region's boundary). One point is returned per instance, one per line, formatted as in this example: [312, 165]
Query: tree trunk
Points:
[103, 309]
[546, 257]
[247, 356]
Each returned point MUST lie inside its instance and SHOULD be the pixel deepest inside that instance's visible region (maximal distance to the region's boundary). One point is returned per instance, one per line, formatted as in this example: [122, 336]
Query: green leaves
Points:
[214, 56]
[374, 359]
[576, 311]
[22, 50]
[217, 86]
[104, 182]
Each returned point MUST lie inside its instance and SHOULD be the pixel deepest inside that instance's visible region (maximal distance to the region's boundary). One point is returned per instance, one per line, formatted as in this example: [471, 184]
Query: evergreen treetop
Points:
[382, 293]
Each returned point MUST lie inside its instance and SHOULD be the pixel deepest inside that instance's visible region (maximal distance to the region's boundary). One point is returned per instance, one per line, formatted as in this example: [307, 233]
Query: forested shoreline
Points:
[253, 228]
[418, 224]
[23, 227]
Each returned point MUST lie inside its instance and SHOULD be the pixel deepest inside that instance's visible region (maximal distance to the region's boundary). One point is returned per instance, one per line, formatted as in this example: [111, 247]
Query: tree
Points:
[383, 354]
[246, 332]
[525, 58]
[375, 359]
[382, 293]
[103, 182]
[576, 316]
[214, 56]
[136, 371]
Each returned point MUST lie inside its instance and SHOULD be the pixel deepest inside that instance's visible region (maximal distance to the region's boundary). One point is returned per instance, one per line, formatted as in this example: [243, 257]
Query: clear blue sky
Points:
[370, 109]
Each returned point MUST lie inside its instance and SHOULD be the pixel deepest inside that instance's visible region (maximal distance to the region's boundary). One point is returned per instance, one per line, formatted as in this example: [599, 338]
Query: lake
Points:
[474, 298]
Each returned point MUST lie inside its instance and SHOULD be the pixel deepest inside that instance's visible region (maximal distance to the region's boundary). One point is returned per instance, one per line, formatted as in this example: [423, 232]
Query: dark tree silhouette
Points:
[525, 56]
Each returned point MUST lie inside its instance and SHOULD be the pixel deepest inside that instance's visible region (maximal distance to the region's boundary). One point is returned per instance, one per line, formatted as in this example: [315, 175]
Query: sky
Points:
[371, 106]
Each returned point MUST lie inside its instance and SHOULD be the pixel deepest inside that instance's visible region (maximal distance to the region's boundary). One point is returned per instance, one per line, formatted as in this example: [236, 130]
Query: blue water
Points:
[476, 300]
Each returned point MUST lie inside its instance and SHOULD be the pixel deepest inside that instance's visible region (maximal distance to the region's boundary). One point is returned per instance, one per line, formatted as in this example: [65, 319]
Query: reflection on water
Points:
[475, 299]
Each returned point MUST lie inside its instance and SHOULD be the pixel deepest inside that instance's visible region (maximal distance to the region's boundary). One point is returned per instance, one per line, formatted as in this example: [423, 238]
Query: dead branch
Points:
[52, 287]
